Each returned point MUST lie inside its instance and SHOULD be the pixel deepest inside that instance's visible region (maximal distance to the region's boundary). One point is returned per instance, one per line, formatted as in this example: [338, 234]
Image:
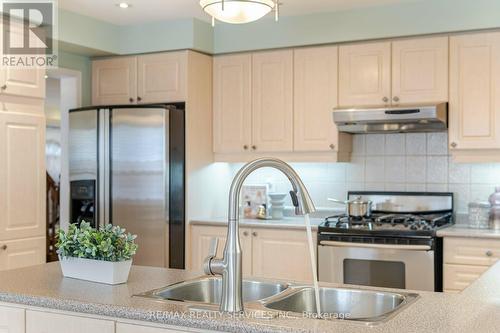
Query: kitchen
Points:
[384, 134]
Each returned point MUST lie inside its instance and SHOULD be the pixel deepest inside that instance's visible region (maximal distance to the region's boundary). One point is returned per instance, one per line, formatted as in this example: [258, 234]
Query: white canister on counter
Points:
[479, 215]
[494, 200]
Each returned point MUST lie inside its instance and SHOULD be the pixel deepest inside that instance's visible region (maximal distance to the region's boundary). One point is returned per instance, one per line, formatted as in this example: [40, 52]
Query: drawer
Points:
[458, 277]
[45, 322]
[471, 251]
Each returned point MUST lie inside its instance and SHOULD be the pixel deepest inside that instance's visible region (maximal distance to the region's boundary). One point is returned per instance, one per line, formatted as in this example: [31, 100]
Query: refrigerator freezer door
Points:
[139, 179]
[83, 143]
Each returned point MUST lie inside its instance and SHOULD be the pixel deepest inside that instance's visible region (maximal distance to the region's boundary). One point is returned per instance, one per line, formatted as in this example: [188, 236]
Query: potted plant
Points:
[100, 255]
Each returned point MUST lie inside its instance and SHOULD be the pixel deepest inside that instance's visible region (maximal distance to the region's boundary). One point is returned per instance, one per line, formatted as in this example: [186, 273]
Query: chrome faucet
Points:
[230, 265]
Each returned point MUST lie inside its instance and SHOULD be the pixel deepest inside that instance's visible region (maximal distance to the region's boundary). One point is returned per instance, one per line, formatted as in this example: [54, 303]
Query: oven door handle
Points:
[377, 246]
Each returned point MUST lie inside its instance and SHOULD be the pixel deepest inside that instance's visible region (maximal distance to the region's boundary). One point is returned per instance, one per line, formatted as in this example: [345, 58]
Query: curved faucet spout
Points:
[230, 266]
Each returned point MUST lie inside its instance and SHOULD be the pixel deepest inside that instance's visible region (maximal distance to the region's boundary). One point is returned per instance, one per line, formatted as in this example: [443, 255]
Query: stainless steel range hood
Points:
[429, 118]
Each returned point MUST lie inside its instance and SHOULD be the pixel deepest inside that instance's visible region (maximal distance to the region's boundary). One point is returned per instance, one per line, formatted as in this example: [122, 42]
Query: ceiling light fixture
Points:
[123, 5]
[239, 11]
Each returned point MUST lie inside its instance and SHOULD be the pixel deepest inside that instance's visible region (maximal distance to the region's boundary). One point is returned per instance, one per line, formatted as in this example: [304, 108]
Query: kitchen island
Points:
[44, 296]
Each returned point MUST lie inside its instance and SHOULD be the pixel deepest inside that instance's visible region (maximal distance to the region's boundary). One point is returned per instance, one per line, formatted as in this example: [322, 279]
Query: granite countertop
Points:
[287, 222]
[476, 309]
[460, 230]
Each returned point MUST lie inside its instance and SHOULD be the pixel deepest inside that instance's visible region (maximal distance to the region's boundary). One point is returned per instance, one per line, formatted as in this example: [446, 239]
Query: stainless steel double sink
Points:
[364, 305]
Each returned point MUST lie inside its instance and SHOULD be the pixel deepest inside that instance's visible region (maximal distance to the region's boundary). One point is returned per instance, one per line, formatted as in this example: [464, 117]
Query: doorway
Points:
[63, 92]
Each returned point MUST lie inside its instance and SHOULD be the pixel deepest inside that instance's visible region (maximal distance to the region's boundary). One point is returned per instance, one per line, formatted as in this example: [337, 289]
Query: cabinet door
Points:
[11, 320]
[459, 277]
[114, 81]
[22, 82]
[22, 253]
[315, 96]
[475, 91]
[272, 101]
[130, 328]
[232, 103]
[161, 77]
[28, 82]
[420, 70]
[281, 254]
[201, 237]
[45, 322]
[365, 74]
[22, 176]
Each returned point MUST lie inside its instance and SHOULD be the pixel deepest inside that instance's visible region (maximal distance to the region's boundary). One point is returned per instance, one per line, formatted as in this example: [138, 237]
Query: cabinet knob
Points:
[245, 233]
[245, 147]
[385, 99]
[332, 146]
[254, 147]
[453, 145]
[3, 87]
[489, 254]
[4, 247]
[396, 99]
[131, 100]
[139, 99]
[254, 234]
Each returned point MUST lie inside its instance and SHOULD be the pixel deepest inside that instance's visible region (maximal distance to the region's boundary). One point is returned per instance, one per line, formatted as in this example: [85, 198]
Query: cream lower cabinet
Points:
[45, 322]
[12, 320]
[474, 128]
[267, 253]
[465, 259]
[131, 328]
[201, 238]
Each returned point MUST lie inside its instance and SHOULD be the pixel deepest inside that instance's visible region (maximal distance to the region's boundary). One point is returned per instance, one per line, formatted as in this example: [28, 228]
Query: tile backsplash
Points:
[390, 162]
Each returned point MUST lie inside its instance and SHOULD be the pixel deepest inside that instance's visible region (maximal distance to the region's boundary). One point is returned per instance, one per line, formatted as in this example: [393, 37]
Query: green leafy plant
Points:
[109, 243]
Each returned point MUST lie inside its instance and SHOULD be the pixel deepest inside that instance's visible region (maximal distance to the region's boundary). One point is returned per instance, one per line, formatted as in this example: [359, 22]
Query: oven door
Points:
[379, 265]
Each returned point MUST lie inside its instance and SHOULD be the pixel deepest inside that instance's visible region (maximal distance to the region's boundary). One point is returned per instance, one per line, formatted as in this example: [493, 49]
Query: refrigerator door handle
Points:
[104, 168]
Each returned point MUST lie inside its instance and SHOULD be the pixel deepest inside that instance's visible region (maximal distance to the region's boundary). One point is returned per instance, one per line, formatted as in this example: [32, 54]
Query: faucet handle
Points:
[212, 249]
[296, 203]
[212, 252]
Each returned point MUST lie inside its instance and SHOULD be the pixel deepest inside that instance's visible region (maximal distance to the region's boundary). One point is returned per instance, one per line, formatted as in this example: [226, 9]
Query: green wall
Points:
[406, 19]
[82, 64]
[84, 36]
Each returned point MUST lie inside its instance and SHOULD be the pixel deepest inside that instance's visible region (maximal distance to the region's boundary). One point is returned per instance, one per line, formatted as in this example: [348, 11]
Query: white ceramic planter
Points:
[96, 270]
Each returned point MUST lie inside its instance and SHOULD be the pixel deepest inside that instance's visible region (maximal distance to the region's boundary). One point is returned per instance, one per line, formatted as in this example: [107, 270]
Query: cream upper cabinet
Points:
[22, 82]
[420, 70]
[232, 103]
[201, 238]
[272, 101]
[114, 81]
[22, 175]
[475, 92]
[315, 96]
[161, 77]
[365, 74]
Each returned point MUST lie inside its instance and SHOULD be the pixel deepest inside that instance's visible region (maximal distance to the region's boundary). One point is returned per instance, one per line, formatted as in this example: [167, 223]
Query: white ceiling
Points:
[142, 11]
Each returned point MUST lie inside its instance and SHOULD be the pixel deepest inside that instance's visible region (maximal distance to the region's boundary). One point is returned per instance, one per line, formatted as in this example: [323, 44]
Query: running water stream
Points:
[313, 263]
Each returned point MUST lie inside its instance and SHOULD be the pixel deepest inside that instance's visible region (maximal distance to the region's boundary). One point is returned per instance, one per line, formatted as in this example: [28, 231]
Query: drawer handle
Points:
[245, 233]
[489, 254]
[4, 247]
[254, 234]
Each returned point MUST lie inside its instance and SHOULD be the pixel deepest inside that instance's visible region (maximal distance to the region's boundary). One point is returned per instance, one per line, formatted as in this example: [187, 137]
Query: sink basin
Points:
[208, 290]
[353, 304]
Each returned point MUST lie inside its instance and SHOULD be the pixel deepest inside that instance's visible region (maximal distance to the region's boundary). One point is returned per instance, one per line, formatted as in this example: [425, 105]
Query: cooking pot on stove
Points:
[356, 207]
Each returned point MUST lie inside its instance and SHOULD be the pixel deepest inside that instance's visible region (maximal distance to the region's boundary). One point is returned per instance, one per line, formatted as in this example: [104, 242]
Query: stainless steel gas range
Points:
[395, 247]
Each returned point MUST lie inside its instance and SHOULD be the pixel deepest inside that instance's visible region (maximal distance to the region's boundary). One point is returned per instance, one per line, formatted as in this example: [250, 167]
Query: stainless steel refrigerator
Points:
[127, 168]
